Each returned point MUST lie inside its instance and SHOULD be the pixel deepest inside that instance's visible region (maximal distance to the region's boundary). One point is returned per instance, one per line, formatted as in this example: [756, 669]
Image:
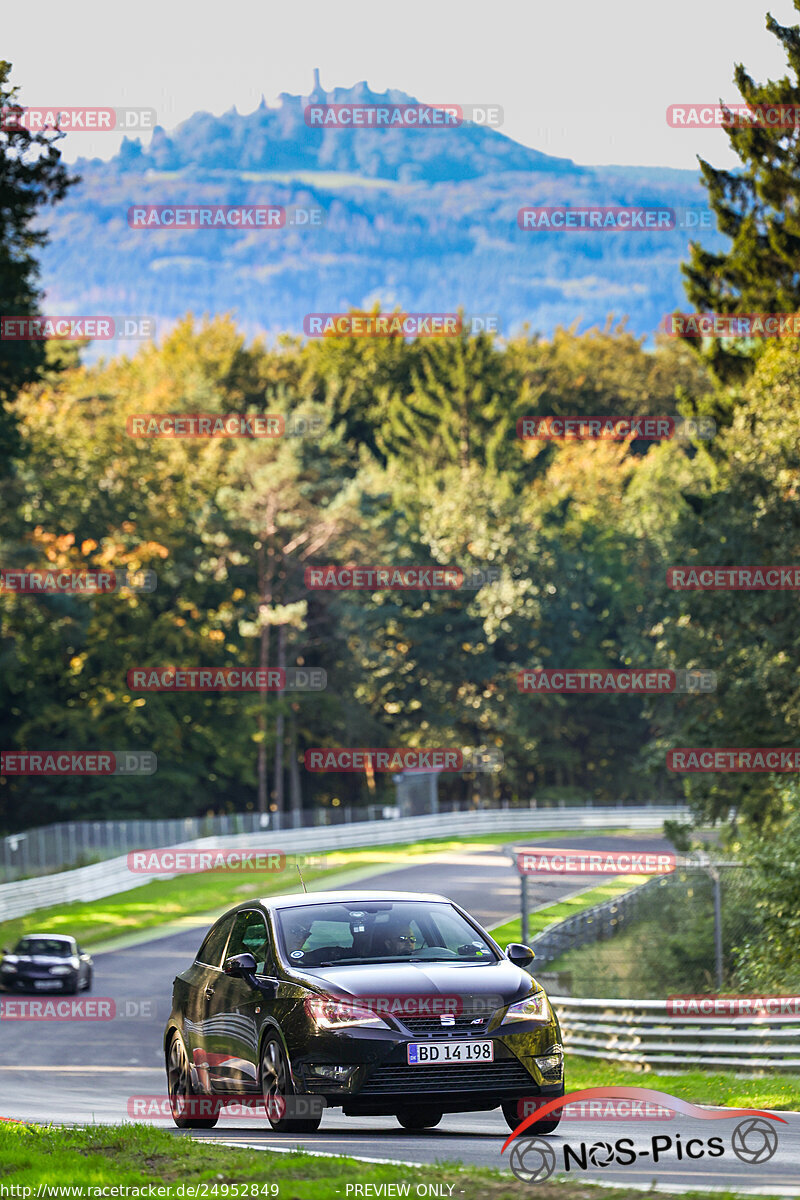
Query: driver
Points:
[297, 936]
[398, 940]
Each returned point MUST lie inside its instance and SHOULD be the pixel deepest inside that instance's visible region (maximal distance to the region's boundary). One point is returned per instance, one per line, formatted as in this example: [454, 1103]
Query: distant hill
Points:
[421, 218]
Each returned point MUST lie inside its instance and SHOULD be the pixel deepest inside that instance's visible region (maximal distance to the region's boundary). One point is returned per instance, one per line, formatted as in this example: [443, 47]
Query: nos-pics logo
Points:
[753, 1141]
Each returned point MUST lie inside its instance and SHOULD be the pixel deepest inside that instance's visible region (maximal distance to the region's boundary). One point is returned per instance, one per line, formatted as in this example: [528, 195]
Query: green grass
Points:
[613, 967]
[771, 1091]
[139, 1156]
[511, 931]
[153, 904]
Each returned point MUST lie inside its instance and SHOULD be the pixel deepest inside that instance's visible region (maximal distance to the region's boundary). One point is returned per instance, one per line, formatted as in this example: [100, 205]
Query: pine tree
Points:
[31, 176]
[758, 207]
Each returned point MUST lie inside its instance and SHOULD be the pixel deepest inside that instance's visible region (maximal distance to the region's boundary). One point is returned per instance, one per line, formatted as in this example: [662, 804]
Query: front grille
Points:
[447, 1077]
[433, 1027]
[553, 1075]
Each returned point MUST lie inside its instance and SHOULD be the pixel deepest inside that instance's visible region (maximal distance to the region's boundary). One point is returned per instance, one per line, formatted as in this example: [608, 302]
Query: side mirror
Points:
[243, 966]
[519, 955]
[240, 966]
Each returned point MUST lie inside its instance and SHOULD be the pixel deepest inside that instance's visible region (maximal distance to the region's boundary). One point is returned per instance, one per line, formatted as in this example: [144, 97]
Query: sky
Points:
[580, 79]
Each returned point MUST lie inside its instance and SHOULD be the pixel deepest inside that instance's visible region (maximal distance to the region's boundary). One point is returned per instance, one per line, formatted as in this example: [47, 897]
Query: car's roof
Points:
[50, 937]
[298, 899]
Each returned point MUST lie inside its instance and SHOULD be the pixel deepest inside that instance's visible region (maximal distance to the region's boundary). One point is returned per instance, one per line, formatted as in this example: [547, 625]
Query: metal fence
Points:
[644, 1033]
[78, 843]
[107, 878]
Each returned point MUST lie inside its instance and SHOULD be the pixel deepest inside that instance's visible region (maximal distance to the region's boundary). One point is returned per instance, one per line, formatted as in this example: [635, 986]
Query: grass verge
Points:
[725, 1088]
[153, 904]
[138, 1156]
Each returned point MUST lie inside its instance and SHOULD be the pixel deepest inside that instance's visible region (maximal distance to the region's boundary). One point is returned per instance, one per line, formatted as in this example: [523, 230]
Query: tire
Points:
[276, 1082]
[179, 1087]
[71, 988]
[540, 1128]
[87, 986]
[420, 1119]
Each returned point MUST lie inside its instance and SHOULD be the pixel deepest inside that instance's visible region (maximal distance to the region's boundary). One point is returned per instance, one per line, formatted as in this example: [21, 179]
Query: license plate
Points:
[422, 1053]
[46, 985]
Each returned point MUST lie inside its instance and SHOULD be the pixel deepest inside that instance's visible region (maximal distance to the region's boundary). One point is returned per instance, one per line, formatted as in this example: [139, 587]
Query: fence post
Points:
[717, 925]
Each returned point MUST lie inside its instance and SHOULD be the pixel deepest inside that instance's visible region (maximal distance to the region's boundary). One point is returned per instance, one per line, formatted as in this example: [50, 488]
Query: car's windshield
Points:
[54, 947]
[379, 931]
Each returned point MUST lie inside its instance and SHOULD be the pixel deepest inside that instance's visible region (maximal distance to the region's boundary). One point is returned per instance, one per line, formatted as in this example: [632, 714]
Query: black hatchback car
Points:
[375, 1002]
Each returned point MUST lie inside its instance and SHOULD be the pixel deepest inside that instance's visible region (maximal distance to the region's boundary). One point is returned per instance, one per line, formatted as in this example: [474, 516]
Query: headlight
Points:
[338, 1014]
[8, 967]
[535, 1009]
[61, 970]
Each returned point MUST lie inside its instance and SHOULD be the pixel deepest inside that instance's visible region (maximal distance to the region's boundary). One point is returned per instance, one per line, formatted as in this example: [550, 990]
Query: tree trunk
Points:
[295, 788]
[266, 568]
[279, 725]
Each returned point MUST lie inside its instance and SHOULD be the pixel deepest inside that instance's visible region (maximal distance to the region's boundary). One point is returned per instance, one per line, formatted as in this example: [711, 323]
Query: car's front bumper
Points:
[380, 1079]
[38, 981]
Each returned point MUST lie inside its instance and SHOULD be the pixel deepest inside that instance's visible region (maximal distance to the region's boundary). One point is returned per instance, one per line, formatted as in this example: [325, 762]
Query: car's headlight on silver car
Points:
[9, 968]
[535, 1009]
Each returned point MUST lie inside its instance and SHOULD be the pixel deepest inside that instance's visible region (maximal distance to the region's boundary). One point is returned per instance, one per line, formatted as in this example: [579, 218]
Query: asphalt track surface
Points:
[71, 1071]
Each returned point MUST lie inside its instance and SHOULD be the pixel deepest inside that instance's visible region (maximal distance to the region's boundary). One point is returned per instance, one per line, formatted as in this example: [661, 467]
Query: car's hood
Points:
[424, 979]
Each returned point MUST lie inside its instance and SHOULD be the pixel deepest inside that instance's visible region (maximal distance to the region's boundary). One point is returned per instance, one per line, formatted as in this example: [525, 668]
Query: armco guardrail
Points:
[106, 878]
[644, 1033]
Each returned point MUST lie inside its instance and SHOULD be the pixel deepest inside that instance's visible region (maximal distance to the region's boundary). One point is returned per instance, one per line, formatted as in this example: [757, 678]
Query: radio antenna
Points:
[300, 873]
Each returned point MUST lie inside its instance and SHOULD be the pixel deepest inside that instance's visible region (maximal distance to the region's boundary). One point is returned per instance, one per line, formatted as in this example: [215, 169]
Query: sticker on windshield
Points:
[297, 954]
